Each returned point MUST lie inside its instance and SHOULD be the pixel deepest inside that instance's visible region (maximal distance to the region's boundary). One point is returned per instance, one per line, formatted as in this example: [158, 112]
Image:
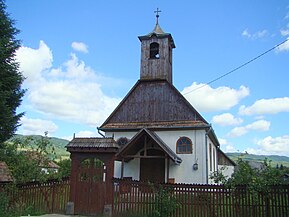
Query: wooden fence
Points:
[184, 200]
[175, 200]
[48, 197]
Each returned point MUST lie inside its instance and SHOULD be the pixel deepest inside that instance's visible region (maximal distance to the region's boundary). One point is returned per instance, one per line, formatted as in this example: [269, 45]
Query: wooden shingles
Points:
[153, 103]
[5, 174]
[92, 142]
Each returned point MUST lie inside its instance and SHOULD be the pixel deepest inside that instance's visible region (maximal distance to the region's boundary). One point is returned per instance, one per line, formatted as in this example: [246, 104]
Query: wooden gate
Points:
[91, 174]
[91, 189]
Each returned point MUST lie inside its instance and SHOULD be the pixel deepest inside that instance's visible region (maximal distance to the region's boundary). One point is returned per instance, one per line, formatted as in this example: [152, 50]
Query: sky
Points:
[80, 58]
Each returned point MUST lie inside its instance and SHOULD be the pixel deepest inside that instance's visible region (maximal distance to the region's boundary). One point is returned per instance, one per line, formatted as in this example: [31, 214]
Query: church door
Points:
[153, 169]
[90, 187]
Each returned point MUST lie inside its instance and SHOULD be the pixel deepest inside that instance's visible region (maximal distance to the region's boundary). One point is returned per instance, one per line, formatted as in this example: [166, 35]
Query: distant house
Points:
[47, 166]
[225, 164]
[5, 173]
[161, 136]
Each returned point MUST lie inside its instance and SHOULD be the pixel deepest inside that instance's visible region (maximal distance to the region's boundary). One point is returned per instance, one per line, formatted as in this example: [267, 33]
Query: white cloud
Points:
[229, 149]
[79, 46]
[283, 47]
[86, 134]
[226, 119]
[284, 32]
[223, 141]
[221, 98]
[255, 35]
[266, 106]
[226, 147]
[237, 132]
[271, 145]
[246, 33]
[287, 16]
[260, 125]
[71, 92]
[33, 62]
[37, 126]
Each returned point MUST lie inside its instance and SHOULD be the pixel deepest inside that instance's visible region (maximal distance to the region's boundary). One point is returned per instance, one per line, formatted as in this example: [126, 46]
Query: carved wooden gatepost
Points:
[91, 189]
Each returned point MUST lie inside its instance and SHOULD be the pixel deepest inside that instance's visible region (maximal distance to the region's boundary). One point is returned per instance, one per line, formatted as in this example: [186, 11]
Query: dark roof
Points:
[153, 104]
[223, 159]
[43, 161]
[5, 174]
[137, 143]
[92, 142]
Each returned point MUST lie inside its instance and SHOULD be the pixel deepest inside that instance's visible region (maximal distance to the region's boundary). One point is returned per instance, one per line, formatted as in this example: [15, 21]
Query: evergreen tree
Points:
[11, 79]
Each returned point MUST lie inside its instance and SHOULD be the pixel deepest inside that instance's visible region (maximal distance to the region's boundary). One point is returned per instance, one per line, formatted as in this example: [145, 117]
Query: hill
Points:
[58, 144]
[61, 152]
[275, 159]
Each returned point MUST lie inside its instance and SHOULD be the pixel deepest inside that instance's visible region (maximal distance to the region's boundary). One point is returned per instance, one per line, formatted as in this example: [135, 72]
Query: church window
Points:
[184, 145]
[122, 141]
[154, 50]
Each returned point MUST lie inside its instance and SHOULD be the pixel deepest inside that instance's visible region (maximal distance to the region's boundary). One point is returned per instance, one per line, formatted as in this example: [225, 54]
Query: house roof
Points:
[43, 161]
[153, 104]
[5, 174]
[93, 142]
[137, 143]
[223, 159]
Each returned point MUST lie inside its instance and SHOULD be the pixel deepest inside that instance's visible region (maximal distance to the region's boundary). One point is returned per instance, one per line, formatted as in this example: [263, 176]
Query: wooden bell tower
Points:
[156, 54]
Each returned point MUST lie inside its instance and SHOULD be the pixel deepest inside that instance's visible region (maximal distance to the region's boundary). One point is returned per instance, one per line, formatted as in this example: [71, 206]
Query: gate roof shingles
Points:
[93, 142]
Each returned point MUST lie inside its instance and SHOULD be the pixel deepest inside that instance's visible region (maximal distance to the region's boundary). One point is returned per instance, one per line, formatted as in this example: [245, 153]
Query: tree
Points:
[11, 92]
[258, 180]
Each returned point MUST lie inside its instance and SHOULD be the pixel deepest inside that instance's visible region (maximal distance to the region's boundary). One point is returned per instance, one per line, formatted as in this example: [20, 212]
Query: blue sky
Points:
[80, 58]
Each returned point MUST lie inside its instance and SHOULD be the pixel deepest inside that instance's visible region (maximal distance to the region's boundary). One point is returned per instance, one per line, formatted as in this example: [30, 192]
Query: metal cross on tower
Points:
[157, 16]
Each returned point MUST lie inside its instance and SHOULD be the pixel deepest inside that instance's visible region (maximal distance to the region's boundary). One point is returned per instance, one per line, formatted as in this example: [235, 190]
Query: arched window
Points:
[122, 141]
[184, 145]
[154, 50]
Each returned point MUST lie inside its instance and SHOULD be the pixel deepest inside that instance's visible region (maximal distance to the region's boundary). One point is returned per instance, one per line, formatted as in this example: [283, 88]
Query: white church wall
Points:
[131, 169]
[184, 172]
[212, 159]
[117, 135]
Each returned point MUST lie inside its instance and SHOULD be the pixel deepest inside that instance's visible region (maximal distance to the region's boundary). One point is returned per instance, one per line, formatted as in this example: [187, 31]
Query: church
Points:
[158, 135]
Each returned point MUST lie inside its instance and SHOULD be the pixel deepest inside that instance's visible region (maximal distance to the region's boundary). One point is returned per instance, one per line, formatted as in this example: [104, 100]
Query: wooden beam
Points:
[168, 168]
[122, 167]
[140, 156]
[145, 146]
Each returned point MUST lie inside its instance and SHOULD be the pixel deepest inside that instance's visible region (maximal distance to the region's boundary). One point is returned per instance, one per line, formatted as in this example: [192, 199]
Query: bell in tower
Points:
[156, 54]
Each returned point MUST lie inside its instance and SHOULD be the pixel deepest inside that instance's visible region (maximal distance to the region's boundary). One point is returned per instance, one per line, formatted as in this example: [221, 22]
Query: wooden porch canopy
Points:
[144, 140]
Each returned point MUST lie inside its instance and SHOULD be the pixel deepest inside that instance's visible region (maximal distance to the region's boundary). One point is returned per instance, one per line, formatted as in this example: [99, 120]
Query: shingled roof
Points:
[93, 142]
[153, 104]
[5, 174]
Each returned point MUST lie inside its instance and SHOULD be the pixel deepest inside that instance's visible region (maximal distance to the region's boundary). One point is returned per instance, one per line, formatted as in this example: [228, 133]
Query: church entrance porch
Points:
[153, 169]
[153, 154]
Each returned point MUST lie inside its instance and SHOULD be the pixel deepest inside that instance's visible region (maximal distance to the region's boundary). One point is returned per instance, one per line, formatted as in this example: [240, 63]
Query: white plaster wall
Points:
[131, 169]
[184, 172]
[226, 170]
[117, 135]
[214, 166]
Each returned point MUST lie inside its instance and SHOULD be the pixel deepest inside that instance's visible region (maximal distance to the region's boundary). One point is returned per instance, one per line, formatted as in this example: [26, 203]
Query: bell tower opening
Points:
[154, 51]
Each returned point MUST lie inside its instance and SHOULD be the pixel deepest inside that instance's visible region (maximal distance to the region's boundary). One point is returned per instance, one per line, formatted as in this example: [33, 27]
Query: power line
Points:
[237, 68]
